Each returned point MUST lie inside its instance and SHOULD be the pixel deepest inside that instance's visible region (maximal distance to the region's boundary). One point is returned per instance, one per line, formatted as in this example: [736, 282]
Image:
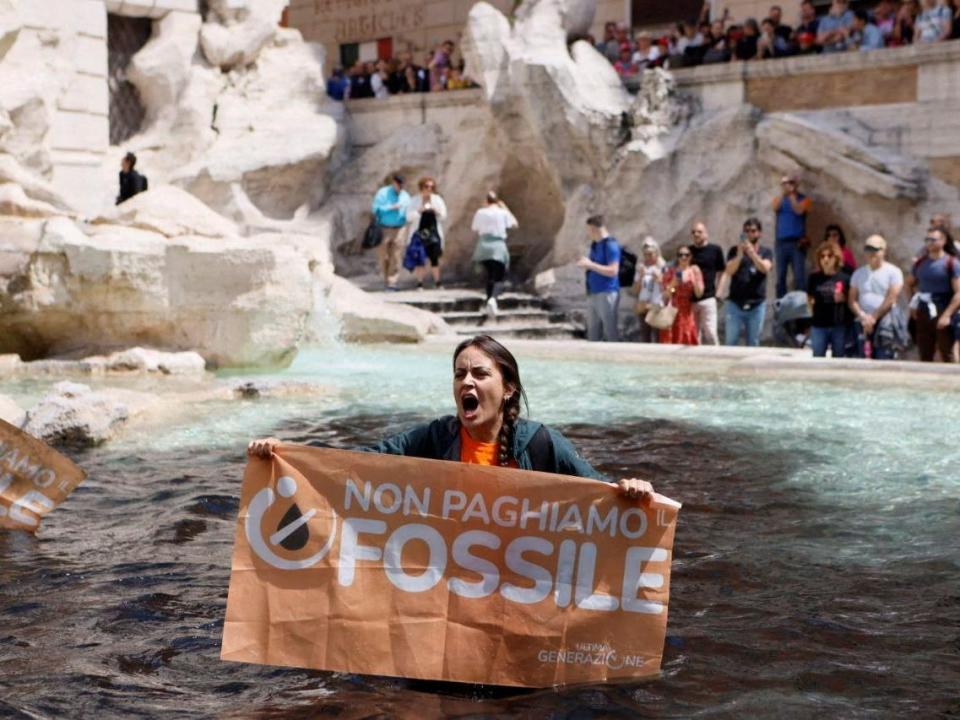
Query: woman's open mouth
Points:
[470, 405]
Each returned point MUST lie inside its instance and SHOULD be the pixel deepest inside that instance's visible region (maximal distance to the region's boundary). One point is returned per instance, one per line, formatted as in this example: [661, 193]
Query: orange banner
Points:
[389, 565]
[34, 479]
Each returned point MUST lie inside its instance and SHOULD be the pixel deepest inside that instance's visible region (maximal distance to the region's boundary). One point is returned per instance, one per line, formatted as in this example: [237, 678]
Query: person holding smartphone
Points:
[683, 284]
[748, 265]
[792, 209]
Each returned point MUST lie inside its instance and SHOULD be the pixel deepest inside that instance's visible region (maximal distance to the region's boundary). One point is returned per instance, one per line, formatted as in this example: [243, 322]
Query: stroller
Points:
[791, 320]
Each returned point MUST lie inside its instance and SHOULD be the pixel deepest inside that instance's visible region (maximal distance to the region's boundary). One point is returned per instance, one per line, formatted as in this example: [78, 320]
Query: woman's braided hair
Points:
[510, 371]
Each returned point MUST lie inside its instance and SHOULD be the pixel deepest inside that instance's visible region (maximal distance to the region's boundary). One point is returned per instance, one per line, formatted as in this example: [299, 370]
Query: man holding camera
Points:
[791, 209]
[748, 265]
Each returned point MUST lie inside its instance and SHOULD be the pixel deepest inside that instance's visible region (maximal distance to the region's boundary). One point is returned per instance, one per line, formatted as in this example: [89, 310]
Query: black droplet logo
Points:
[298, 538]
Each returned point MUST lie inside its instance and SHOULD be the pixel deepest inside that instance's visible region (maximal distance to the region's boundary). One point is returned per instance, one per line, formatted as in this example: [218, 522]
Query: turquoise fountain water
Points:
[815, 569]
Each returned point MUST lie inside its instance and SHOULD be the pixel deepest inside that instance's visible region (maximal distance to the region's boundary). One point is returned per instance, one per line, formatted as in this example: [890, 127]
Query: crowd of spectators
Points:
[702, 41]
[401, 75]
[854, 302]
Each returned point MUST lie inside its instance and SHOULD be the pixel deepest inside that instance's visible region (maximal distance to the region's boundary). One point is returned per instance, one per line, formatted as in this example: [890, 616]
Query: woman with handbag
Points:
[683, 285]
[425, 214]
[647, 287]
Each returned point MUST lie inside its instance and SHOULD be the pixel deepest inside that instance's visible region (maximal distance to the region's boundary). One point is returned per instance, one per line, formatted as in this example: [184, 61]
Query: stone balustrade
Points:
[917, 73]
[906, 99]
[370, 120]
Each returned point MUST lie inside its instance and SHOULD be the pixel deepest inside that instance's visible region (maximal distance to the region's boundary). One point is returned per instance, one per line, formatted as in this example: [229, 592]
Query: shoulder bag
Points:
[661, 316]
[373, 235]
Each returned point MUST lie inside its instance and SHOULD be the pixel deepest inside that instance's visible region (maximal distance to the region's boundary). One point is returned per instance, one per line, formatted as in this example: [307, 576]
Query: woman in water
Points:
[488, 429]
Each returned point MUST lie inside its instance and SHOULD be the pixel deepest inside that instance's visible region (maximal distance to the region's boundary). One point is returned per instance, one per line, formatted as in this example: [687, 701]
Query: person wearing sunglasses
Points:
[648, 288]
[874, 289]
[425, 214]
[935, 284]
[709, 258]
[827, 296]
[684, 285]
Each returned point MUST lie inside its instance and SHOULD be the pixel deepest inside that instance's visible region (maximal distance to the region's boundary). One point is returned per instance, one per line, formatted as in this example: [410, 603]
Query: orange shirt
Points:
[480, 453]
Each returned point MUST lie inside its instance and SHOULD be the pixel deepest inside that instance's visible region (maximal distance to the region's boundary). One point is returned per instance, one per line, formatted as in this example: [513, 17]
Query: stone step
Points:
[552, 331]
[504, 317]
[520, 315]
[463, 301]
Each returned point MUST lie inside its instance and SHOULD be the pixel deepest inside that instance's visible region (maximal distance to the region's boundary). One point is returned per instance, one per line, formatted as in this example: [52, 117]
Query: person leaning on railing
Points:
[905, 25]
[864, 34]
[935, 22]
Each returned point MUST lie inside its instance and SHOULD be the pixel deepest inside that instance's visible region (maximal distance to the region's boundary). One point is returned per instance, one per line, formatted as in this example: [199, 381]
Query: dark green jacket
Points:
[535, 446]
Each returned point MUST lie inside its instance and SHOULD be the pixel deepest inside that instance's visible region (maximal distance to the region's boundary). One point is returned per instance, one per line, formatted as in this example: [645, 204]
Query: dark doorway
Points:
[349, 54]
[125, 37]
[645, 13]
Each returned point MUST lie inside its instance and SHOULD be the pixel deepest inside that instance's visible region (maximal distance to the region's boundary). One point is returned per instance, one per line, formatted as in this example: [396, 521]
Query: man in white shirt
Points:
[874, 289]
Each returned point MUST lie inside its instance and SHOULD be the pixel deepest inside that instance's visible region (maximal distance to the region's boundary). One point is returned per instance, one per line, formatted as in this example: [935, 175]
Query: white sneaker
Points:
[491, 307]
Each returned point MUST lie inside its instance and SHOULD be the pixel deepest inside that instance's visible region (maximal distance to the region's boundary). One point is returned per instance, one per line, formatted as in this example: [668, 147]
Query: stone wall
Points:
[872, 134]
[927, 73]
[906, 100]
[908, 97]
[75, 32]
[58, 96]
[149, 8]
[370, 121]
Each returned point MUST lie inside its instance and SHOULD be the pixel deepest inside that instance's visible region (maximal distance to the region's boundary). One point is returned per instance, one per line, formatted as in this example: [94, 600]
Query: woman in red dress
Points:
[684, 285]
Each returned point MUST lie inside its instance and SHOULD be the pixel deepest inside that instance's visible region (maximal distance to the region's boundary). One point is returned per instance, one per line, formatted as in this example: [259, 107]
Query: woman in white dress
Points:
[648, 288]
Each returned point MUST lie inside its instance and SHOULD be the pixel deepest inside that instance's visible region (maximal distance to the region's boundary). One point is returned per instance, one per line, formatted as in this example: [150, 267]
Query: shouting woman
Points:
[488, 429]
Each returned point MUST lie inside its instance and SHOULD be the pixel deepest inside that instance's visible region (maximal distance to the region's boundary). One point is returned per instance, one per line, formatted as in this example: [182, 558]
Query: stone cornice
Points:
[818, 64]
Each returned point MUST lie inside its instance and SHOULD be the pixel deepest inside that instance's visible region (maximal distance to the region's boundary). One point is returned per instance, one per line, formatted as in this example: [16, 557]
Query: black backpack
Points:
[372, 236]
[140, 183]
[628, 267]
